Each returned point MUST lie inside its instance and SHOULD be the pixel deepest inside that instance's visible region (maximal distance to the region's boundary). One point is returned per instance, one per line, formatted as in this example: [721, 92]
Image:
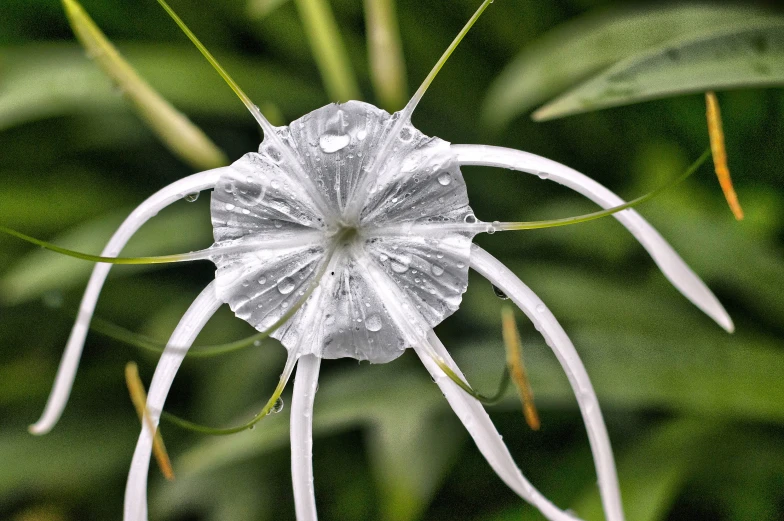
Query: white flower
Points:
[349, 234]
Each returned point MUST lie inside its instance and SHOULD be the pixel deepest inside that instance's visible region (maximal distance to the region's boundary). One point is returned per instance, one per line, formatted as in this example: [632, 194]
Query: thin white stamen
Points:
[670, 263]
[205, 305]
[304, 394]
[501, 277]
[73, 350]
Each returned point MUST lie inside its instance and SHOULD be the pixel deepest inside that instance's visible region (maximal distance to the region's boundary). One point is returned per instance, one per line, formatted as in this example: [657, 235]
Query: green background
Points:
[696, 415]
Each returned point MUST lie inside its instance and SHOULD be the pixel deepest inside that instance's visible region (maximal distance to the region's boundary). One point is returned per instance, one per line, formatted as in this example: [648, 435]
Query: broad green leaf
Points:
[652, 472]
[579, 47]
[411, 450]
[328, 50]
[748, 56]
[174, 129]
[53, 79]
[40, 271]
[385, 54]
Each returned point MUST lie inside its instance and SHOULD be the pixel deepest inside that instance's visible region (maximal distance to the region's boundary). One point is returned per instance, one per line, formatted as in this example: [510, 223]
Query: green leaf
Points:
[328, 50]
[652, 472]
[749, 56]
[175, 130]
[46, 80]
[259, 9]
[385, 54]
[575, 49]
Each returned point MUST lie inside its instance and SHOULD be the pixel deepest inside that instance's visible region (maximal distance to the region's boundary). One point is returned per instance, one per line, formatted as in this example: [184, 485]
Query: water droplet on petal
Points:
[331, 142]
[191, 197]
[437, 270]
[470, 218]
[230, 207]
[286, 285]
[445, 178]
[540, 308]
[500, 294]
[405, 134]
[383, 257]
[373, 323]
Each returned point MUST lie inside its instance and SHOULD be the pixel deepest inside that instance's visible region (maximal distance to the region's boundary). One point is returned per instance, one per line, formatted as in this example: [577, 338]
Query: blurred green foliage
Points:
[696, 416]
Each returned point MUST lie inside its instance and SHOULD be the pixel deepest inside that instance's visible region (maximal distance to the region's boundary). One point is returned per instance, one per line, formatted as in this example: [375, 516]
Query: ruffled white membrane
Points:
[415, 184]
[670, 263]
[181, 340]
[501, 277]
[73, 351]
[305, 386]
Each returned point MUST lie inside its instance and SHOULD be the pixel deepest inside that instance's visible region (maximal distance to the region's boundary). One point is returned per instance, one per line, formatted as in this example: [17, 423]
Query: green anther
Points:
[487, 400]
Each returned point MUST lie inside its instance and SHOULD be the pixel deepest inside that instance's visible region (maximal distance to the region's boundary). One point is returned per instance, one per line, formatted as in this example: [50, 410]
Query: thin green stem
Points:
[551, 223]
[487, 400]
[164, 259]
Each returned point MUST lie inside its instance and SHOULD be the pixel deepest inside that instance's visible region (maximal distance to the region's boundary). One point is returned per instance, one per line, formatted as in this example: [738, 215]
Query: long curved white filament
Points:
[670, 263]
[477, 422]
[503, 278]
[205, 305]
[73, 350]
[305, 384]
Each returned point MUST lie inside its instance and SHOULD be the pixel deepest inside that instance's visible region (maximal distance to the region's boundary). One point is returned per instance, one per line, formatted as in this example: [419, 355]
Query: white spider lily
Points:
[349, 234]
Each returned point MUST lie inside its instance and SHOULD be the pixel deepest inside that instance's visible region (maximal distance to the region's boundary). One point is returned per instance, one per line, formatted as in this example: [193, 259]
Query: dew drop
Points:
[437, 270]
[398, 267]
[500, 294]
[540, 308]
[362, 134]
[274, 154]
[286, 285]
[373, 323]
[445, 179]
[277, 223]
[191, 197]
[461, 265]
[470, 218]
[331, 142]
[230, 207]
[262, 280]
[383, 257]
[278, 406]
[406, 135]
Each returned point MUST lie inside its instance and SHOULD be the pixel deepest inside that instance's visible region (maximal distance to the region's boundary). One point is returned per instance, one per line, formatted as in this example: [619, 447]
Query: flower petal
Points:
[670, 263]
[481, 428]
[501, 277]
[73, 350]
[305, 385]
[184, 334]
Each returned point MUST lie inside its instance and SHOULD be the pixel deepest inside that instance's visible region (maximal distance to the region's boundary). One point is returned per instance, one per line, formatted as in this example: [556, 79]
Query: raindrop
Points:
[362, 134]
[543, 175]
[191, 197]
[373, 323]
[461, 265]
[437, 270]
[257, 343]
[274, 184]
[470, 218]
[278, 406]
[383, 257]
[277, 223]
[274, 154]
[398, 267]
[500, 294]
[230, 207]
[540, 308]
[262, 280]
[406, 135]
[286, 285]
[331, 142]
[445, 178]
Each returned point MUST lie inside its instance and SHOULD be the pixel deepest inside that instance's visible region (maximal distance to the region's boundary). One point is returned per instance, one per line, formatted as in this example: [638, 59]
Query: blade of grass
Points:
[385, 54]
[328, 50]
[174, 129]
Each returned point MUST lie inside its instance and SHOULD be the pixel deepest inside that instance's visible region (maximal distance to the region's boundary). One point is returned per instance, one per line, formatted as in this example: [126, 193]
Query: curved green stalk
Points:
[551, 223]
[487, 400]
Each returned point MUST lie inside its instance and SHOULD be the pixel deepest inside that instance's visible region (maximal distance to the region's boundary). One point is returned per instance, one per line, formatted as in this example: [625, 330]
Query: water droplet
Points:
[262, 280]
[277, 223]
[362, 134]
[331, 142]
[191, 197]
[543, 175]
[461, 265]
[275, 184]
[540, 308]
[500, 294]
[274, 154]
[444, 179]
[405, 134]
[278, 406]
[383, 257]
[230, 207]
[399, 267]
[373, 323]
[437, 270]
[286, 285]
[470, 218]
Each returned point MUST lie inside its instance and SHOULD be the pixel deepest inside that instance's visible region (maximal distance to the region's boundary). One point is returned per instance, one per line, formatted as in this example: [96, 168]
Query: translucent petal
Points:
[269, 208]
